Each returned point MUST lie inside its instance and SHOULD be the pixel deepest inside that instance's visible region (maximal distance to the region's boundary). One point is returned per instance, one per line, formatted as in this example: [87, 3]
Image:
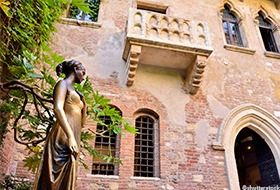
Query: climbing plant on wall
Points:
[27, 82]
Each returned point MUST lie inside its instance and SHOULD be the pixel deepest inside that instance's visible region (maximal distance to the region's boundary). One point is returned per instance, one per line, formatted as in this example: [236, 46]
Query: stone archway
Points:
[254, 118]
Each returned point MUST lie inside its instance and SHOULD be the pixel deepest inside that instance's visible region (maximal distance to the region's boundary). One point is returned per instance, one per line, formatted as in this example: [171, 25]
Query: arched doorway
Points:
[257, 120]
[254, 160]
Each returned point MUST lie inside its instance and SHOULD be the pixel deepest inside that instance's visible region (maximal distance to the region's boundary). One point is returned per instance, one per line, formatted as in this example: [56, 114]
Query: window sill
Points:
[101, 176]
[272, 54]
[145, 178]
[76, 22]
[240, 49]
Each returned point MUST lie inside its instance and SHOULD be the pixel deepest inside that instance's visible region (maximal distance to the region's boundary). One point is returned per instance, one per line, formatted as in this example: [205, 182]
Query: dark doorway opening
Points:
[255, 162]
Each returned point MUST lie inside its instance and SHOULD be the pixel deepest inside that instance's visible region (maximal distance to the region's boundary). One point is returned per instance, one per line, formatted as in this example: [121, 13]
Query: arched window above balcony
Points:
[267, 33]
[231, 26]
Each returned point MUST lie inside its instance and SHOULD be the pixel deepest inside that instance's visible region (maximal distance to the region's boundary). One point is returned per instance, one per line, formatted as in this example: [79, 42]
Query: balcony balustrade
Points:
[161, 40]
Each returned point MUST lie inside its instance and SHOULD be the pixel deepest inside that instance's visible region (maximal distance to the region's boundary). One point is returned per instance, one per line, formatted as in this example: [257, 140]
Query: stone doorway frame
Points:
[258, 120]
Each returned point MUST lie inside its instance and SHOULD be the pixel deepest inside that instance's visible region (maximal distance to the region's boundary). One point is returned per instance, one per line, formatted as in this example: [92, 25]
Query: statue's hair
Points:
[66, 67]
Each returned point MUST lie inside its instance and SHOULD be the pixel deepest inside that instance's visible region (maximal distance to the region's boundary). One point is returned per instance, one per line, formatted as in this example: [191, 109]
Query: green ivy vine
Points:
[26, 84]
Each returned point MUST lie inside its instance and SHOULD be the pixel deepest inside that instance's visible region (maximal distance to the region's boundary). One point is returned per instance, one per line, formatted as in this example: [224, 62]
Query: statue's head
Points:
[72, 67]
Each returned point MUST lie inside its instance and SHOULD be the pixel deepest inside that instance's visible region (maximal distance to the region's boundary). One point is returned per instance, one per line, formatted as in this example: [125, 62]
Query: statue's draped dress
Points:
[58, 168]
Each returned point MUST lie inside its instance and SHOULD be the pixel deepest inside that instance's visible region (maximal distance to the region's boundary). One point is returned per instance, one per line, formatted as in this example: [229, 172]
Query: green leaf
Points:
[85, 136]
[130, 129]
[57, 58]
[48, 78]
[30, 56]
[26, 65]
[33, 160]
[35, 75]
[84, 164]
[81, 5]
[17, 71]
[4, 6]
[108, 158]
[46, 47]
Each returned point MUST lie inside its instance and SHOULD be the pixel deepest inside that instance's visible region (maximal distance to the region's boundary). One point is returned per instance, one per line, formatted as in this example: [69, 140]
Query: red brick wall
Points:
[179, 161]
[6, 154]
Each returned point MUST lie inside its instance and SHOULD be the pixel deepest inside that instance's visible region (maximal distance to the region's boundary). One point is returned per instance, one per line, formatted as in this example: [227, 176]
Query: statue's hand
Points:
[73, 146]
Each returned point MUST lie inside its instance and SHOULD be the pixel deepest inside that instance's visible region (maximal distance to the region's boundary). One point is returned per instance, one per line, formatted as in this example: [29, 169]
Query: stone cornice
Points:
[77, 22]
[272, 54]
[240, 49]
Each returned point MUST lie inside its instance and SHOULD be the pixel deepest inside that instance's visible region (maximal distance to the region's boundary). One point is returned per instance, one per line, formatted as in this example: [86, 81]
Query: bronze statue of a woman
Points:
[58, 167]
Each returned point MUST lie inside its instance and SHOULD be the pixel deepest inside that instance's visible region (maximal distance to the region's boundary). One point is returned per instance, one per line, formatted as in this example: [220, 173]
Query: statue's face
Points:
[80, 73]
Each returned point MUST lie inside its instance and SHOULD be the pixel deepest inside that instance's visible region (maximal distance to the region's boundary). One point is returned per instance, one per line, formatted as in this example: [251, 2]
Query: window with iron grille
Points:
[146, 156]
[105, 144]
[267, 34]
[231, 28]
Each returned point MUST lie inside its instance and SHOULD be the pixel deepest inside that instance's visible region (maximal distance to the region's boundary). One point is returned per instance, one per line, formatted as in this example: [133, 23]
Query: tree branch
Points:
[24, 88]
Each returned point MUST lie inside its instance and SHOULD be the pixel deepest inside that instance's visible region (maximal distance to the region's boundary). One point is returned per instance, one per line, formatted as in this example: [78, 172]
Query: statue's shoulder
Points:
[61, 85]
[60, 82]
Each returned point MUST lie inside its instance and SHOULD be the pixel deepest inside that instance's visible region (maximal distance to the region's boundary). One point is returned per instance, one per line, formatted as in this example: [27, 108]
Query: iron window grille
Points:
[267, 34]
[231, 28]
[107, 144]
[146, 159]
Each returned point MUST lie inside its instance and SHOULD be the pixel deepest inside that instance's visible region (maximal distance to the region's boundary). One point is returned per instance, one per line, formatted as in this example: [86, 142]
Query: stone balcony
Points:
[169, 42]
